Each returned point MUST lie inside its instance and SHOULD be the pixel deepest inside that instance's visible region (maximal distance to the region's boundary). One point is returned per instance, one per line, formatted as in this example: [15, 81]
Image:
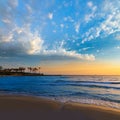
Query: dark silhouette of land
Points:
[21, 71]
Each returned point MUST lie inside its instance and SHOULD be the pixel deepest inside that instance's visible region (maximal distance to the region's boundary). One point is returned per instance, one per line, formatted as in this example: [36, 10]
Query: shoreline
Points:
[42, 74]
[20, 74]
[28, 106]
[95, 102]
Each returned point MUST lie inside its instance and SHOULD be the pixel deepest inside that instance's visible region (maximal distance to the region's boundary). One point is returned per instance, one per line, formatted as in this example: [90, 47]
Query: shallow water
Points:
[99, 90]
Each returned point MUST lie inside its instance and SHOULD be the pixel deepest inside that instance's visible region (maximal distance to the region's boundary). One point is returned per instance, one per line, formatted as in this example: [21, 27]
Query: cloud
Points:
[7, 38]
[90, 4]
[60, 52]
[117, 47]
[69, 18]
[7, 21]
[35, 45]
[50, 16]
[13, 3]
[28, 7]
[54, 31]
[21, 41]
[77, 26]
[110, 15]
[86, 48]
[30, 41]
[90, 15]
[65, 18]
[69, 54]
[62, 25]
[20, 36]
[98, 51]
[117, 36]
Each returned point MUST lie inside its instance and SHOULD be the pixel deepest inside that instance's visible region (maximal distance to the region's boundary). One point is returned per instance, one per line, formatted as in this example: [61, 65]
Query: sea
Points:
[87, 89]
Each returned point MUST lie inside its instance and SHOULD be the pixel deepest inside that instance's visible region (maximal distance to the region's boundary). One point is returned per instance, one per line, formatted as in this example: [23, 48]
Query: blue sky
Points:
[35, 31]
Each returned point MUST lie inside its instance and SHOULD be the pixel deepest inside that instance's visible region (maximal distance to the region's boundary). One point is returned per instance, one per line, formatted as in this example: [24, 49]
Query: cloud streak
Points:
[110, 15]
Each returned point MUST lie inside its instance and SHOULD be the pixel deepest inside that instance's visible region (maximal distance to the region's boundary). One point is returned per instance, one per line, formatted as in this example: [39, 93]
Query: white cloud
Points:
[90, 4]
[35, 46]
[22, 39]
[117, 47]
[61, 51]
[91, 15]
[65, 18]
[31, 42]
[28, 7]
[77, 26]
[111, 24]
[13, 3]
[70, 54]
[26, 42]
[6, 21]
[54, 31]
[62, 25]
[86, 48]
[8, 38]
[50, 16]
[69, 18]
[117, 37]
[98, 51]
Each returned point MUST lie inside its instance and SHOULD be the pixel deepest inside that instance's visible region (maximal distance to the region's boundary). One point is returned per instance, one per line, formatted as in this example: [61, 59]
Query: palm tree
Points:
[1, 68]
[39, 69]
[21, 69]
[15, 69]
[35, 69]
[30, 69]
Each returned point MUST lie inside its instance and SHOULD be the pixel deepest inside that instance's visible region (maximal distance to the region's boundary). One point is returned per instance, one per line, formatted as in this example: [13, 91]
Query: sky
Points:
[61, 36]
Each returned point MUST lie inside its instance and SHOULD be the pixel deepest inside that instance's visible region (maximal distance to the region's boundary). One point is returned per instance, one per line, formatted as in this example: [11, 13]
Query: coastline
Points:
[28, 107]
[20, 74]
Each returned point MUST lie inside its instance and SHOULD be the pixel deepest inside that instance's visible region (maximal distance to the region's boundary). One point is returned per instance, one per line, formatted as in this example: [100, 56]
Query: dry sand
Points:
[30, 108]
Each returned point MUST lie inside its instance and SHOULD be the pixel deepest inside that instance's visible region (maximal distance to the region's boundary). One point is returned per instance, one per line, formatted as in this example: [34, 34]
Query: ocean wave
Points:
[94, 86]
[82, 100]
[70, 81]
[105, 97]
[90, 84]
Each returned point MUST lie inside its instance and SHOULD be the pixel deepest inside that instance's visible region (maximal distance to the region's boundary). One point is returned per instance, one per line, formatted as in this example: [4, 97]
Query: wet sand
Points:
[31, 108]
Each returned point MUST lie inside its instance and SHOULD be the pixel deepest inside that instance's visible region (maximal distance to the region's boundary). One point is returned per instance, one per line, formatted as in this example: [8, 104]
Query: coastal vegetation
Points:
[21, 71]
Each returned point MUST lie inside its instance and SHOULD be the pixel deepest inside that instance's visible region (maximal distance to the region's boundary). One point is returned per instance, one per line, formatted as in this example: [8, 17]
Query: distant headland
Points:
[21, 71]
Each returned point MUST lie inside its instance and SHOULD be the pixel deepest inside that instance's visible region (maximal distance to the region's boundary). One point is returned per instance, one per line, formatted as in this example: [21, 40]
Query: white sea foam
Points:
[89, 101]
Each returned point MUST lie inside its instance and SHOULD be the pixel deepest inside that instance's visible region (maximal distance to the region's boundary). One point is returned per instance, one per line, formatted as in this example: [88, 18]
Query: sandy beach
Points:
[30, 108]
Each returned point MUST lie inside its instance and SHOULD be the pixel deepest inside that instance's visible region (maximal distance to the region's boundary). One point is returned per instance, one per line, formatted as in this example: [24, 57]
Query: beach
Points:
[33, 108]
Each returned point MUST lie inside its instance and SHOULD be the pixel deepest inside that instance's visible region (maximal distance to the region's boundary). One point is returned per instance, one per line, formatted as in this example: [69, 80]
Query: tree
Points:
[34, 69]
[1, 67]
[15, 69]
[21, 69]
[30, 69]
[39, 69]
